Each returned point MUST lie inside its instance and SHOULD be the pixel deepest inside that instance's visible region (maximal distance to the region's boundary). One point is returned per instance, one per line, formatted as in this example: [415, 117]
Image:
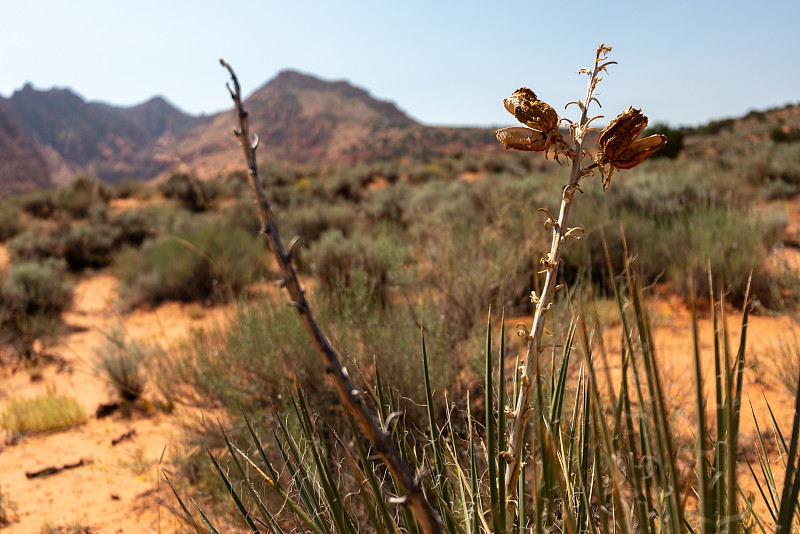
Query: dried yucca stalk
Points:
[380, 438]
[619, 149]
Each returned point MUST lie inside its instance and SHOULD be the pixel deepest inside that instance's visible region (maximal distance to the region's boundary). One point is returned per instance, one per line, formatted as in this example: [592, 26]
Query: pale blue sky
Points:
[444, 63]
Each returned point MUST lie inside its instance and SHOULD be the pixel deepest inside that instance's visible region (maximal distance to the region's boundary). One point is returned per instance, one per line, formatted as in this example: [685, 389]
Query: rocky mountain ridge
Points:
[73, 136]
[49, 136]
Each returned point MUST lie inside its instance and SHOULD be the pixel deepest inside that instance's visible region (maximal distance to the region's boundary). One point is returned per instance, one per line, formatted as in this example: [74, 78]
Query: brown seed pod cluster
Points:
[541, 120]
[619, 148]
[531, 111]
[520, 138]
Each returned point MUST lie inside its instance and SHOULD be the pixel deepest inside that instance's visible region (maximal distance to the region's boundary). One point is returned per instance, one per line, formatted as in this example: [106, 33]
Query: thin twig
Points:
[351, 398]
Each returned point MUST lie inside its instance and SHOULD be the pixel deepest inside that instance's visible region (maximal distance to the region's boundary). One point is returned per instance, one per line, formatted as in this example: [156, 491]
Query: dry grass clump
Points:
[44, 413]
[787, 359]
[8, 510]
[122, 364]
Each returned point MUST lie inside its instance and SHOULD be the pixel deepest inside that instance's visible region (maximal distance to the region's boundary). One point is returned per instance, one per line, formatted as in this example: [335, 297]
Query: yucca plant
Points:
[548, 453]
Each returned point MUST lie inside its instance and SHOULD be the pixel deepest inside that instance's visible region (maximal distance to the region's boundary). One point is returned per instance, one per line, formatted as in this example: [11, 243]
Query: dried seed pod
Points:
[618, 140]
[639, 151]
[520, 138]
[531, 111]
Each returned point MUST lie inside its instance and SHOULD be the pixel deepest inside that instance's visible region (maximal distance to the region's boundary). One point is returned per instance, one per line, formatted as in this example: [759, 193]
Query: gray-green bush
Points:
[82, 245]
[77, 198]
[10, 219]
[32, 298]
[207, 260]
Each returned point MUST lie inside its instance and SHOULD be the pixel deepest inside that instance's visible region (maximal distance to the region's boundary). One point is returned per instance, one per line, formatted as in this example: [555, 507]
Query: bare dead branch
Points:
[53, 470]
[380, 439]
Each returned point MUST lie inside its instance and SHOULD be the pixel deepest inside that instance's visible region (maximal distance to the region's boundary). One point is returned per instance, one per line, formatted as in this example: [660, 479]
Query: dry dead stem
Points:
[349, 395]
[620, 150]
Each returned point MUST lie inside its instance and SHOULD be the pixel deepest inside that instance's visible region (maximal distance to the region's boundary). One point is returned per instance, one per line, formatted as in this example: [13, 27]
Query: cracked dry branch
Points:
[387, 449]
[550, 268]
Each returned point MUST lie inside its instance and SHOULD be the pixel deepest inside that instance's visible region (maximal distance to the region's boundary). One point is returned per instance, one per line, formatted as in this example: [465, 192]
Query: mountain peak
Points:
[29, 95]
[309, 94]
[290, 78]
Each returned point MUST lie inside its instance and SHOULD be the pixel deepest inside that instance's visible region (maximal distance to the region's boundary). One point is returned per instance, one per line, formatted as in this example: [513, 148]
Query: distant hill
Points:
[781, 124]
[302, 119]
[74, 136]
[22, 166]
[299, 119]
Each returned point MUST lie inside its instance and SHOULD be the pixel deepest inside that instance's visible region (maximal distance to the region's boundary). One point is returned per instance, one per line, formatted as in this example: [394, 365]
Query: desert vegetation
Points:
[473, 428]
[531, 464]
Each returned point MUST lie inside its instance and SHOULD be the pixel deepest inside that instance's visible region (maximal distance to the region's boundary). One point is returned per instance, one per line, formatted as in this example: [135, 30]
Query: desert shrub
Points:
[44, 413]
[476, 242]
[121, 363]
[130, 188]
[81, 245]
[251, 367]
[311, 221]
[132, 227]
[768, 167]
[245, 370]
[39, 241]
[273, 174]
[470, 269]
[244, 366]
[235, 184]
[681, 246]
[206, 260]
[165, 218]
[785, 164]
[732, 245]
[39, 203]
[759, 116]
[78, 197]
[374, 298]
[33, 297]
[89, 246]
[343, 263]
[676, 221]
[425, 173]
[503, 163]
[193, 194]
[716, 127]
[243, 215]
[439, 203]
[186, 189]
[735, 246]
[675, 137]
[387, 206]
[10, 219]
[781, 135]
[347, 184]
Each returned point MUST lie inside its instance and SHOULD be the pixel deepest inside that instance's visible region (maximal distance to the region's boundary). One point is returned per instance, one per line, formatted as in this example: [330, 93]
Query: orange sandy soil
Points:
[115, 493]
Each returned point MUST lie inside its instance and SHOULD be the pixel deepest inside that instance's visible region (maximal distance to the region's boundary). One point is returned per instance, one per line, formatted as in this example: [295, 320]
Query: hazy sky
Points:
[444, 63]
